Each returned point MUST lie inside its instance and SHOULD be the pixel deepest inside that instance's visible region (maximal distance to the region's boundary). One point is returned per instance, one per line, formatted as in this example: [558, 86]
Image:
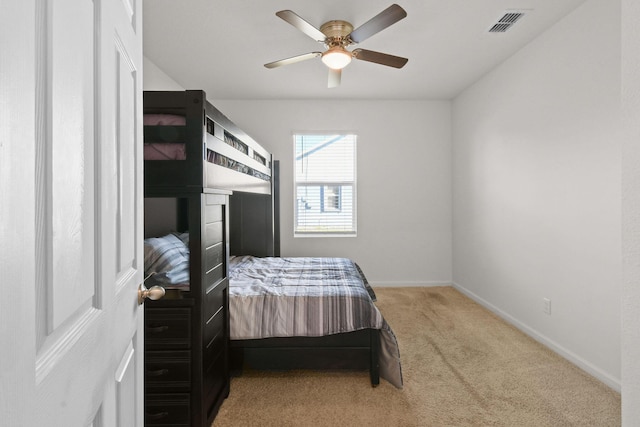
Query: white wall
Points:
[537, 189]
[156, 79]
[403, 173]
[631, 212]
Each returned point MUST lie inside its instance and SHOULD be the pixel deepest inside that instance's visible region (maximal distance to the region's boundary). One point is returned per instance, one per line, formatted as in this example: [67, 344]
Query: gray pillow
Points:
[166, 261]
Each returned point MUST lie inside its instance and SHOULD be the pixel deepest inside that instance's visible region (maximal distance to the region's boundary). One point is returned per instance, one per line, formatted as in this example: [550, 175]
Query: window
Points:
[325, 185]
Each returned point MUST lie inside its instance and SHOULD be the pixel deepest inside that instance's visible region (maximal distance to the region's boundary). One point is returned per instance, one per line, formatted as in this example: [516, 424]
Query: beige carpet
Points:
[462, 366]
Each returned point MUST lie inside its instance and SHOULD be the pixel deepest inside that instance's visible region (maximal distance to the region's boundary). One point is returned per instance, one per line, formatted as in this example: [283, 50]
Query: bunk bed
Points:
[209, 194]
[189, 146]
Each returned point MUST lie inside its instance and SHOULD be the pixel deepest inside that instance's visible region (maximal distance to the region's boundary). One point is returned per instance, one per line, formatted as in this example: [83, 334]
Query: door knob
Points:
[153, 293]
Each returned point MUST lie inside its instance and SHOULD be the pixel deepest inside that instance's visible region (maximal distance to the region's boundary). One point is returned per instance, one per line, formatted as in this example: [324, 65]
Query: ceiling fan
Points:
[336, 35]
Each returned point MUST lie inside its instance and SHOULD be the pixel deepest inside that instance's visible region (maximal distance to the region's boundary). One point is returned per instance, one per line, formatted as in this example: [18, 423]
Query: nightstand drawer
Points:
[167, 371]
[167, 328]
[167, 410]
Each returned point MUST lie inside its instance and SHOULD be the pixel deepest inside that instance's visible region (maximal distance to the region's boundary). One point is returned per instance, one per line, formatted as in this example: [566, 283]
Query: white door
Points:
[70, 213]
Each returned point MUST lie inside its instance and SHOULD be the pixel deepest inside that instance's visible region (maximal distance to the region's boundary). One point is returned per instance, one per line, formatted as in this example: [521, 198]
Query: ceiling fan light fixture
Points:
[337, 35]
[336, 58]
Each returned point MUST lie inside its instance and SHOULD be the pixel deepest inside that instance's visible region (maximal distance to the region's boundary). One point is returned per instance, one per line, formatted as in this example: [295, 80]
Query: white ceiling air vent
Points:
[507, 20]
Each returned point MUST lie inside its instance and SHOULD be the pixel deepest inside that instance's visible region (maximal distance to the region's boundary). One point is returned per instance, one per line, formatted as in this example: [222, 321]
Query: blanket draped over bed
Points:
[284, 297]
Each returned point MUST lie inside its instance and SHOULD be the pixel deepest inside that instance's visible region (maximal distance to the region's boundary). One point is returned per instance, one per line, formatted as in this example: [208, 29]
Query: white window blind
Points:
[325, 185]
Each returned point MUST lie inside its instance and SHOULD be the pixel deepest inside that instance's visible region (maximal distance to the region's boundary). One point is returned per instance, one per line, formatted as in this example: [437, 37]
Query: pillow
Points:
[166, 261]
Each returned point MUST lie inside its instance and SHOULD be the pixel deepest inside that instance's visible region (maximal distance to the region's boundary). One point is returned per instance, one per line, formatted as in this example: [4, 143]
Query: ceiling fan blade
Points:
[379, 58]
[302, 25]
[384, 19]
[293, 59]
[334, 78]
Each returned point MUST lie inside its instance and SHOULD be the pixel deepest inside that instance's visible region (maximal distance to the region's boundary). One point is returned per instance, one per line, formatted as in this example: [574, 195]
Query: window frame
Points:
[326, 183]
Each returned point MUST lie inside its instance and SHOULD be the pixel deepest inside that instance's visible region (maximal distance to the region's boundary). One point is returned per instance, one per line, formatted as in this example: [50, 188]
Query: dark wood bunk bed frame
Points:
[188, 351]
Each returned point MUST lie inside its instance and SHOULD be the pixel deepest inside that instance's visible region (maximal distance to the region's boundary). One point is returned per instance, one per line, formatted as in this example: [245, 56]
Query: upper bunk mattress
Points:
[164, 151]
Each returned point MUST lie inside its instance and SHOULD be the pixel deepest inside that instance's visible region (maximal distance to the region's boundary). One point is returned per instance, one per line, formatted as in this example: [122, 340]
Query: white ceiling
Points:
[221, 46]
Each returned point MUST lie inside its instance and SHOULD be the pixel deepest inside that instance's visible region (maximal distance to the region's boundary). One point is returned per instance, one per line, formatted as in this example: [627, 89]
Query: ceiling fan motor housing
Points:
[337, 32]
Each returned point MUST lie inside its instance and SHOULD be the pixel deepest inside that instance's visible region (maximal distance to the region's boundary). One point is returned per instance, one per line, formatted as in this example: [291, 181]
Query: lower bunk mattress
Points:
[275, 297]
[306, 297]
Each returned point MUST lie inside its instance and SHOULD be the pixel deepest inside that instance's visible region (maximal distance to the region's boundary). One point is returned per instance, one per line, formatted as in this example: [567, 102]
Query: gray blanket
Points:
[284, 297]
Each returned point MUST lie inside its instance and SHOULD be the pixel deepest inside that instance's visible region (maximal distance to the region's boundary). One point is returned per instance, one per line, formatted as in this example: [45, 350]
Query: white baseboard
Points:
[407, 284]
[594, 371]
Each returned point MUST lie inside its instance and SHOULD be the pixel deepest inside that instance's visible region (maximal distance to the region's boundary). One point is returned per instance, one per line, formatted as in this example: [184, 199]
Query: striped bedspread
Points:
[284, 297]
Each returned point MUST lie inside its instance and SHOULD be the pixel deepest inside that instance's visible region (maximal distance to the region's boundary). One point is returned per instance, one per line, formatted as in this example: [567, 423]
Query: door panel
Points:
[70, 175]
[126, 162]
[126, 389]
[71, 230]
[66, 191]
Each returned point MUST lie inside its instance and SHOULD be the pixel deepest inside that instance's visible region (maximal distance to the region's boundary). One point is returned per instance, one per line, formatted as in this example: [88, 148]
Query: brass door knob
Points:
[153, 293]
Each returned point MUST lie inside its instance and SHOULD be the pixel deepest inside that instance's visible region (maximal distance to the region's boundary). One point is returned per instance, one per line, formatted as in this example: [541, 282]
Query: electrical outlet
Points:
[546, 305]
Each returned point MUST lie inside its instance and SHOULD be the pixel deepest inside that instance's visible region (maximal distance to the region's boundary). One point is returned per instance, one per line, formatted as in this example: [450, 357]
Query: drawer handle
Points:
[157, 329]
[158, 373]
[157, 416]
